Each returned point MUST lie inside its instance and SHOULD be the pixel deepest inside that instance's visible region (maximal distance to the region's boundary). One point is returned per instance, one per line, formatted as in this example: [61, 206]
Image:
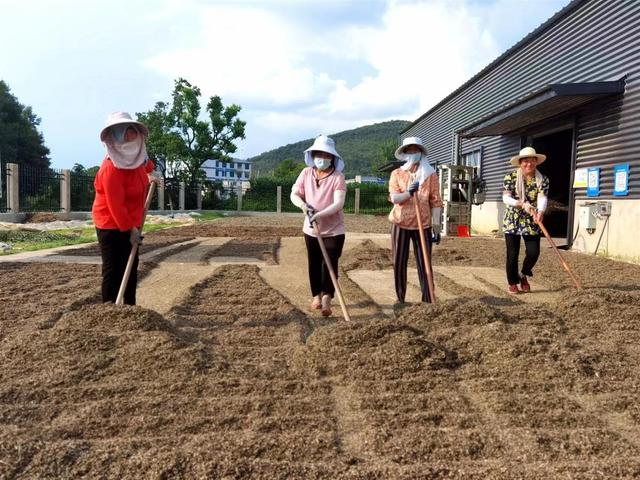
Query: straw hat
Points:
[323, 144]
[118, 118]
[407, 142]
[525, 153]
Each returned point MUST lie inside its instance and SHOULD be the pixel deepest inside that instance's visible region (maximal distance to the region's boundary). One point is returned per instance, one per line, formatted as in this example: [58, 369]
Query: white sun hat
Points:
[417, 141]
[118, 118]
[323, 144]
[525, 153]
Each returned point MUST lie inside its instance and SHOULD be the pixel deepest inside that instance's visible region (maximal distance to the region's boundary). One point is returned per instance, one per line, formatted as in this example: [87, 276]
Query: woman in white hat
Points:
[121, 187]
[415, 181]
[525, 198]
[319, 192]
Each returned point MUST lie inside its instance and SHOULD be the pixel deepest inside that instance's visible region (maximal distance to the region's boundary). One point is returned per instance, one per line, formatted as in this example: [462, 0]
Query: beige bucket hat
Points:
[118, 118]
[525, 153]
[407, 142]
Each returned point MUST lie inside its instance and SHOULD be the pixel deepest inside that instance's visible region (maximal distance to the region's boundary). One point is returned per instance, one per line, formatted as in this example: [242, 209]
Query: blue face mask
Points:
[321, 163]
[118, 131]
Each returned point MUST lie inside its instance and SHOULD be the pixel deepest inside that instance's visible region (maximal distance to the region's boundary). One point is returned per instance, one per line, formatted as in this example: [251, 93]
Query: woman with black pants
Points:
[121, 187]
[525, 198]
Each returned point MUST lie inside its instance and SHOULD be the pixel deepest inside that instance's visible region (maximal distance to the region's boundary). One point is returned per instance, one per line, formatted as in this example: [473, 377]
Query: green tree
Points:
[20, 140]
[288, 168]
[386, 154]
[182, 141]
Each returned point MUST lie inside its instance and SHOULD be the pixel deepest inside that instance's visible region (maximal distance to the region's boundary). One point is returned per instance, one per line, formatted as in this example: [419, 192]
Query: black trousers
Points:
[319, 277]
[115, 249]
[400, 238]
[532, 252]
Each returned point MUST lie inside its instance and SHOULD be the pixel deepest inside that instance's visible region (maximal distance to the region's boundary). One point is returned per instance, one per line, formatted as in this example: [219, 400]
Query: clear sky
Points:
[298, 68]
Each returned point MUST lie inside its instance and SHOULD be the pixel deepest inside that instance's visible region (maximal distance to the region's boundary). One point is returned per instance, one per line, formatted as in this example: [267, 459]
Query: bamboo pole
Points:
[562, 261]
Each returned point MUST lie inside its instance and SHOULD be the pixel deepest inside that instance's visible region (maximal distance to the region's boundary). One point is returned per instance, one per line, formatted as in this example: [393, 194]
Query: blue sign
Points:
[621, 180]
[593, 182]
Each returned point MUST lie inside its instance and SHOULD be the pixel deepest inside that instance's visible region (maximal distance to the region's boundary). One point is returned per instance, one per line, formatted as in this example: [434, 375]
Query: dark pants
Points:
[532, 252]
[319, 277]
[400, 238]
[115, 249]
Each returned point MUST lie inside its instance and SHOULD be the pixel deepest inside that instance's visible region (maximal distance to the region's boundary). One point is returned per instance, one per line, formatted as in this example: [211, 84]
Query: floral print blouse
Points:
[516, 220]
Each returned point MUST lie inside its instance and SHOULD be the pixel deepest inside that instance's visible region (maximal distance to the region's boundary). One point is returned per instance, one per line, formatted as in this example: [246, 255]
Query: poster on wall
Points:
[621, 180]
[580, 178]
[593, 182]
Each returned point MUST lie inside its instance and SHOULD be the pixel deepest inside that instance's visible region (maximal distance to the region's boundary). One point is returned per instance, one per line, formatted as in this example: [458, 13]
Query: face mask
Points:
[129, 148]
[321, 163]
[412, 157]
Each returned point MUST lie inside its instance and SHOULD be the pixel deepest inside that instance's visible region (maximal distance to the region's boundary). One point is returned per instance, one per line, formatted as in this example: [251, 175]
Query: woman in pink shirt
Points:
[319, 192]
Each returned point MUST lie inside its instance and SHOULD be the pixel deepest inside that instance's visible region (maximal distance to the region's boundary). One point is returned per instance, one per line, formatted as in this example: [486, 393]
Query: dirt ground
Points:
[238, 381]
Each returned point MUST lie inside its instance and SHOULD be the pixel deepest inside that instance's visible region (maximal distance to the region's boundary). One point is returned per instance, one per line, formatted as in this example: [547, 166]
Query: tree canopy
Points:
[181, 141]
[20, 140]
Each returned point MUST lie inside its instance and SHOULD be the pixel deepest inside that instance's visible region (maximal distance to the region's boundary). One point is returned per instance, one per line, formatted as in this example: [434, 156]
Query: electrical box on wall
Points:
[604, 209]
[588, 218]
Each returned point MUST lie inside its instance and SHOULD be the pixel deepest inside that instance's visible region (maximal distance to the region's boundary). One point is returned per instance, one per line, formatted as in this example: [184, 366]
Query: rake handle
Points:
[425, 254]
[562, 261]
[134, 249]
[332, 274]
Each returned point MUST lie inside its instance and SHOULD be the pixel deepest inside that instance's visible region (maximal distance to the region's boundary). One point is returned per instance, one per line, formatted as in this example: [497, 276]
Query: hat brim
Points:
[515, 161]
[308, 157]
[142, 126]
[400, 150]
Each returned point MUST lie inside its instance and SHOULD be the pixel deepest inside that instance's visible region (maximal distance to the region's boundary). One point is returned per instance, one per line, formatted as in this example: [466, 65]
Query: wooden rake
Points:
[134, 248]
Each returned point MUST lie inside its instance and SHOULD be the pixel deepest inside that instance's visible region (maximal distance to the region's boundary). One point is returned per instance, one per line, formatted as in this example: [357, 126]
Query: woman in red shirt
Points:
[121, 187]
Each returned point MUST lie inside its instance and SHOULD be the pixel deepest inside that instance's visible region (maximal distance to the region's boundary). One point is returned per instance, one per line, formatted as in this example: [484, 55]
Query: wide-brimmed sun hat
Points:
[417, 141]
[527, 152]
[323, 144]
[118, 118]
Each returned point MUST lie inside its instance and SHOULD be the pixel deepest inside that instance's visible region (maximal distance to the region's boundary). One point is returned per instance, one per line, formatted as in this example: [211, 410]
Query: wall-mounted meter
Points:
[588, 219]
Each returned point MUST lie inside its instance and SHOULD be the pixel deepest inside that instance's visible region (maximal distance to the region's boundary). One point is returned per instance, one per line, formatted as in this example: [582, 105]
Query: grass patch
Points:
[207, 216]
[28, 240]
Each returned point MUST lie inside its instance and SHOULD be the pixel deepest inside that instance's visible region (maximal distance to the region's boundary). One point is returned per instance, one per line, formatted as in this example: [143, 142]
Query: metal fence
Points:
[39, 189]
[4, 181]
[82, 192]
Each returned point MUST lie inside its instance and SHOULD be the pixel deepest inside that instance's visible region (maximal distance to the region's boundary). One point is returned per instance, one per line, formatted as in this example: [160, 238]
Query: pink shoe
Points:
[524, 284]
[326, 306]
[316, 304]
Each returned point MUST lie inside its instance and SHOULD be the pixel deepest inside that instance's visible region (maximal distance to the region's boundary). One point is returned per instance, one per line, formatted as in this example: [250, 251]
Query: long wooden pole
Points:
[134, 248]
[332, 274]
[562, 261]
[425, 253]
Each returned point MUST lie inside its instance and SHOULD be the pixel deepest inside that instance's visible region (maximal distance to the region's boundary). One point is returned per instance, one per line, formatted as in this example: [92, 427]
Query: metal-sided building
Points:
[570, 89]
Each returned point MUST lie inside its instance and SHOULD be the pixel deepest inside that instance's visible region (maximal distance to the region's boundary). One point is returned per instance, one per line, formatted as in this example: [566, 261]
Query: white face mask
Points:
[321, 163]
[129, 148]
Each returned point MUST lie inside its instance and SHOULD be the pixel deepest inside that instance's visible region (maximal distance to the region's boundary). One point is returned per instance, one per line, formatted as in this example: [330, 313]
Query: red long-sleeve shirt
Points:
[120, 196]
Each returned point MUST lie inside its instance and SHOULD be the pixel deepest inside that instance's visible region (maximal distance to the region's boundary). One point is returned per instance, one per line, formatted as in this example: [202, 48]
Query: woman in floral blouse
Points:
[525, 197]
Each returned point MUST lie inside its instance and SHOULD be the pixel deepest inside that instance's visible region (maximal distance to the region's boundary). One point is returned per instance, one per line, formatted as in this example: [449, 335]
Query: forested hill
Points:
[361, 148]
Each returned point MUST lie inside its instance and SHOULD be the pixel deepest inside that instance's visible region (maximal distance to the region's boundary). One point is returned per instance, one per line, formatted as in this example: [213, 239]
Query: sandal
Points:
[326, 306]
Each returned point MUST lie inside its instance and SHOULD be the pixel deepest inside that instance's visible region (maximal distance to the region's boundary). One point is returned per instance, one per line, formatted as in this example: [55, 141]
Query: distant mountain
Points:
[360, 148]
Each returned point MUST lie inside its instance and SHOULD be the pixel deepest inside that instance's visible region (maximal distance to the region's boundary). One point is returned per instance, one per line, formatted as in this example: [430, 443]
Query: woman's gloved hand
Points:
[135, 238]
[413, 188]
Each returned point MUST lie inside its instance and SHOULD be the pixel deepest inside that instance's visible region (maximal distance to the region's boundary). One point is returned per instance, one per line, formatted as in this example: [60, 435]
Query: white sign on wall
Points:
[580, 178]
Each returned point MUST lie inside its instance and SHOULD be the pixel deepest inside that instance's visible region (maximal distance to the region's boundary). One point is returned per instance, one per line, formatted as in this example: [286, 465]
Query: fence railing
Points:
[39, 189]
[82, 192]
[4, 182]
[28, 189]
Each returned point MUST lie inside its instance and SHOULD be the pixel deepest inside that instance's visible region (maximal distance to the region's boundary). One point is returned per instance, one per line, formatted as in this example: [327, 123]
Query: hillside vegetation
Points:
[361, 148]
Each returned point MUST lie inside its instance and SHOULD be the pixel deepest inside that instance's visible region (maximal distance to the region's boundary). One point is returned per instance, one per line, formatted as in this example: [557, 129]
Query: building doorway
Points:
[558, 147]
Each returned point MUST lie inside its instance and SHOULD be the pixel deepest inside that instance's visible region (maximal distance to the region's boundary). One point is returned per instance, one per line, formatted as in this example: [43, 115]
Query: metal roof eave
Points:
[566, 10]
[540, 105]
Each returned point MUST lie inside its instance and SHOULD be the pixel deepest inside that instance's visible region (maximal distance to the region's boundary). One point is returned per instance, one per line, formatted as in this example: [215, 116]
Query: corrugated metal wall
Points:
[595, 40]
